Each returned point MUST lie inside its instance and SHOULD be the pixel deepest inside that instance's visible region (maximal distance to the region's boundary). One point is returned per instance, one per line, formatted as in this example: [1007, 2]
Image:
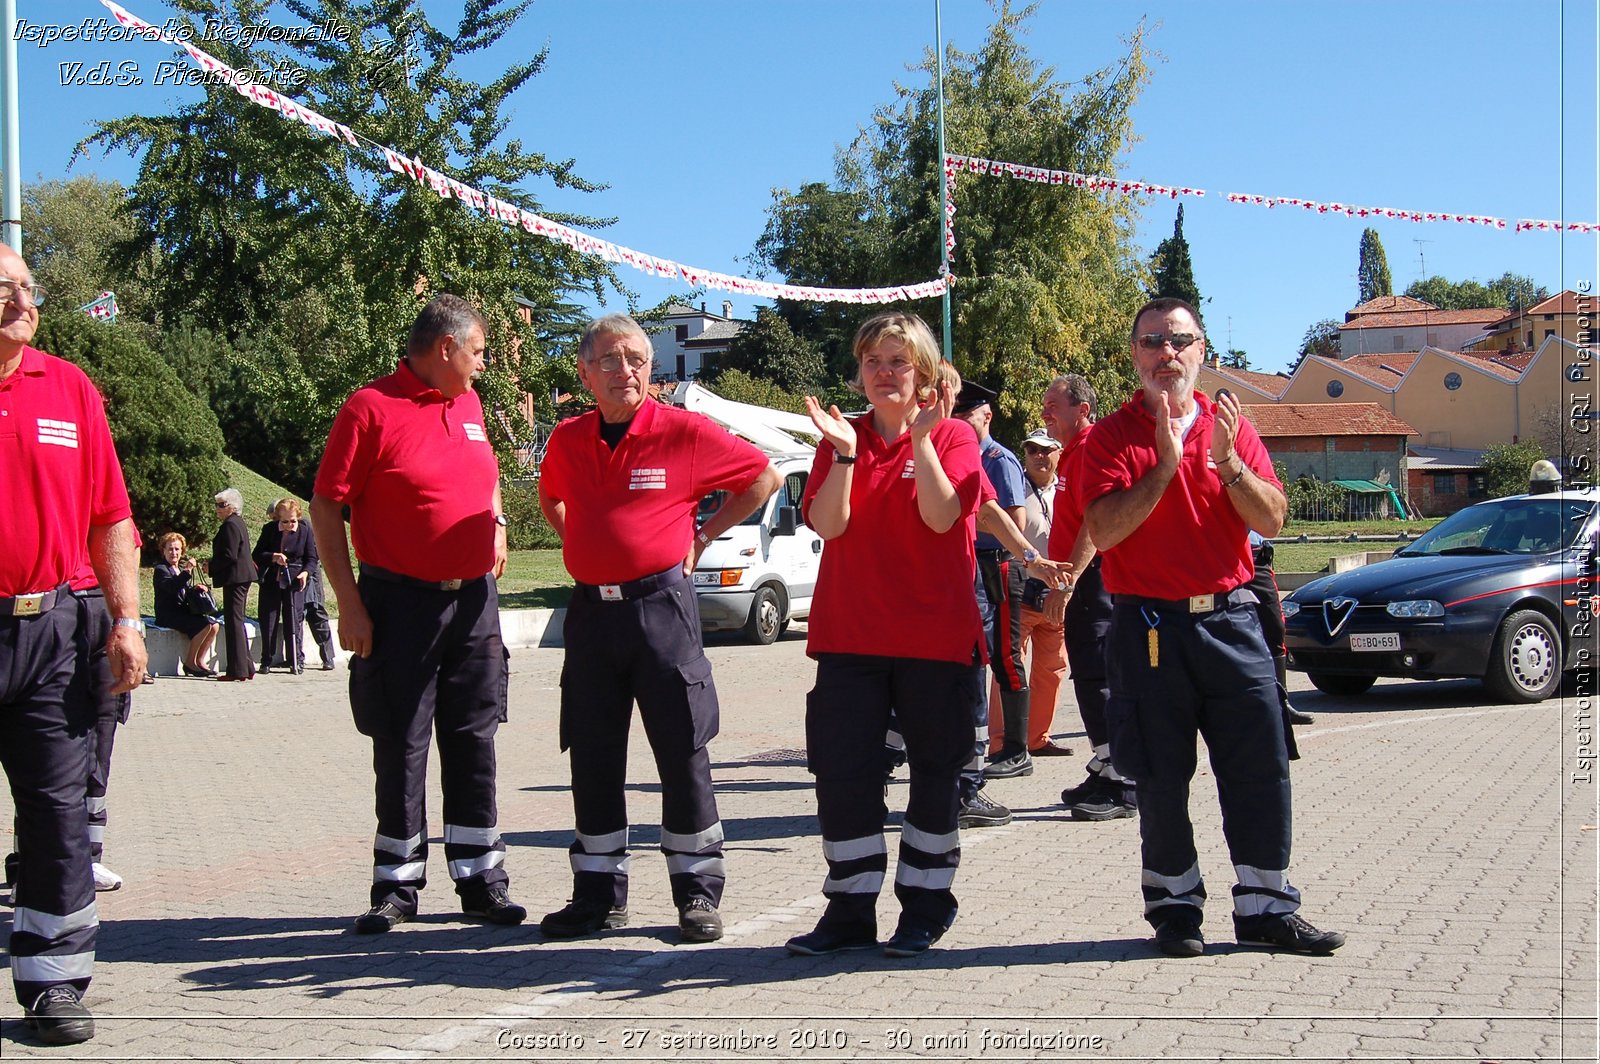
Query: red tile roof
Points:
[1273, 384]
[1560, 303]
[1384, 370]
[1388, 305]
[1276, 420]
[1483, 316]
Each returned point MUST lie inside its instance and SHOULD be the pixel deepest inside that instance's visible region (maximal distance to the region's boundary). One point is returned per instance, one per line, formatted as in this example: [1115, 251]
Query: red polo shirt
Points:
[418, 474]
[1194, 542]
[890, 585]
[59, 473]
[630, 511]
[1067, 518]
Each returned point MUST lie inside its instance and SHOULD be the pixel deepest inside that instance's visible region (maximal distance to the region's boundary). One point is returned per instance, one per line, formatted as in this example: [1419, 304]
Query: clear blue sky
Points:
[693, 110]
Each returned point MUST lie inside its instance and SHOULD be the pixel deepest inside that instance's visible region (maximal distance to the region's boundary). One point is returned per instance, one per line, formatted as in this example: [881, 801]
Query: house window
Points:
[1477, 485]
[1335, 389]
[1399, 342]
[1549, 333]
[1444, 483]
[1433, 339]
[681, 333]
[1549, 317]
[681, 364]
[1452, 381]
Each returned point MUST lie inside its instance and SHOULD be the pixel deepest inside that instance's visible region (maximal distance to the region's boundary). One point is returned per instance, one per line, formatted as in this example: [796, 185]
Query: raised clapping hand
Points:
[937, 409]
[1225, 428]
[835, 429]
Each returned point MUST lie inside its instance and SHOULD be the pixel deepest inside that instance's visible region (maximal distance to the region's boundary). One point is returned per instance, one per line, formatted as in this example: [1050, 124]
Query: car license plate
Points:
[708, 579]
[1375, 641]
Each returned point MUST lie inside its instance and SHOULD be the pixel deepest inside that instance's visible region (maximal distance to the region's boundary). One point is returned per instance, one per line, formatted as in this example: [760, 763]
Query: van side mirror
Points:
[788, 520]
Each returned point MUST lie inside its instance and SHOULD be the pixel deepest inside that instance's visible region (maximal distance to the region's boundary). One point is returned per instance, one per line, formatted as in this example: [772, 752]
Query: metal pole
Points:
[10, 164]
[944, 189]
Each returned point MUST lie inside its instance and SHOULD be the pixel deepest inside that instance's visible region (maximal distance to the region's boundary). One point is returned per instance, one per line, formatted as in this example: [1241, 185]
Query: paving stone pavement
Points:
[1444, 835]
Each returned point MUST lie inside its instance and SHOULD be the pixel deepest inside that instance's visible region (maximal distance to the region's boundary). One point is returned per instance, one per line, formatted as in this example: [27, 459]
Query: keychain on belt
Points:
[1153, 619]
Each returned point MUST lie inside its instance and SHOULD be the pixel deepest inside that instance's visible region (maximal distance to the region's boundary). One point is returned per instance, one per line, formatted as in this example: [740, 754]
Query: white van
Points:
[760, 574]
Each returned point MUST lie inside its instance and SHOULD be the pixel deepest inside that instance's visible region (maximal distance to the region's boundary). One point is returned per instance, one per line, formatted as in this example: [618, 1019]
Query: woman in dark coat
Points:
[234, 572]
[285, 554]
[174, 597]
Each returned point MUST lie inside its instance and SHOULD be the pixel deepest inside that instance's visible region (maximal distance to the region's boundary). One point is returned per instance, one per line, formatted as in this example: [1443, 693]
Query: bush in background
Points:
[526, 528]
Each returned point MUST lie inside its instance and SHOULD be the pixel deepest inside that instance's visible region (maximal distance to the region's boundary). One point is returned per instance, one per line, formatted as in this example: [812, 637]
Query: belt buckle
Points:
[1202, 603]
[610, 592]
[28, 605]
[449, 585]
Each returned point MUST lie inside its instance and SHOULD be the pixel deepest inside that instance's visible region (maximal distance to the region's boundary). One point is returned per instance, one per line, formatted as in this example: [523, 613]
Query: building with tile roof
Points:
[1352, 442]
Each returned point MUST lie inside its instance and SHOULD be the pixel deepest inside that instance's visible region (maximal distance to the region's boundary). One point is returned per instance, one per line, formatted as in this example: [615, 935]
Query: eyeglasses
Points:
[10, 288]
[1032, 450]
[612, 363]
[1179, 341]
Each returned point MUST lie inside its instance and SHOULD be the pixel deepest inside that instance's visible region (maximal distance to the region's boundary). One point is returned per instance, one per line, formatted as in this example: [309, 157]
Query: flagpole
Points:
[944, 186]
[11, 194]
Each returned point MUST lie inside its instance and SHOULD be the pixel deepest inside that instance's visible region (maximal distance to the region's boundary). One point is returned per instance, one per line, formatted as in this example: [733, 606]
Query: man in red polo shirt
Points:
[621, 486]
[410, 456]
[67, 509]
[1171, 485]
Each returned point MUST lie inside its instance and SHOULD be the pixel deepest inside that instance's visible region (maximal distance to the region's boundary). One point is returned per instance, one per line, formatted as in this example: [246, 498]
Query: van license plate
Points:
[1375, 641]
[707, 579]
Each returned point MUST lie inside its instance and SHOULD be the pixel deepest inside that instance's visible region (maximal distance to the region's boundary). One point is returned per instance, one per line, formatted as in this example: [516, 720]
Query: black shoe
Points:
[832, 938]
[1073, 795]
[1298, 717]
[493, 904]
[1112, 802]
[379, 918]
[58, 1017]
[908, 941]
[13, 861]
[583, 917]
[1051, 748]
[1284, 931]
[1003, 766]
[296, 671]
[1179, 934]
[201, 671]
[699, 921]
[326, 668]
[980, 812]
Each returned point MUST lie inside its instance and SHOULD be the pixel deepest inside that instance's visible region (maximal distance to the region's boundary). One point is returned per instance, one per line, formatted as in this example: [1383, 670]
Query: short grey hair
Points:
[230, 497]
[611, 325]
[445, 315]
[1079, 391]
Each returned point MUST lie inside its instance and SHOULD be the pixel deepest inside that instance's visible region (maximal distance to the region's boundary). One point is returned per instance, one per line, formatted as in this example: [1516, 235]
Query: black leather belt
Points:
[993, 552]
[1239, 596]
[632, 589]
[410, 581]
[33, 604]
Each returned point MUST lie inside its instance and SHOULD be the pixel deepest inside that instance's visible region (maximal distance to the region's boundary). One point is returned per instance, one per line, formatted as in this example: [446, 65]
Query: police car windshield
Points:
[1511, 526]
[713, 502]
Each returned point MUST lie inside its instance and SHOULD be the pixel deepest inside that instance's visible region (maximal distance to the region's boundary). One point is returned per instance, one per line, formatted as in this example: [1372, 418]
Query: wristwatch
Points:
[500, 519]
[705, 540]
[136, 623]
[1029, 556]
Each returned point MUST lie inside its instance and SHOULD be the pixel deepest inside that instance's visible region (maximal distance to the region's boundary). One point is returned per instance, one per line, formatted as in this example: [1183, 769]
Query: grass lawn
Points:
[1292, 557]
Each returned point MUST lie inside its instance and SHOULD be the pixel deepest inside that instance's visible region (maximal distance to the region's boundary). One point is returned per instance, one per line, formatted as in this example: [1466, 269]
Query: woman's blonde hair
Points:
[286, 509]
[172, 537]
[909, 330]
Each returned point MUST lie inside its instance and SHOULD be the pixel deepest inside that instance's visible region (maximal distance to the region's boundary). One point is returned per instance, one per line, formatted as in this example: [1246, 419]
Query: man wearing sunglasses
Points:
[1172, 484]
[67, 512]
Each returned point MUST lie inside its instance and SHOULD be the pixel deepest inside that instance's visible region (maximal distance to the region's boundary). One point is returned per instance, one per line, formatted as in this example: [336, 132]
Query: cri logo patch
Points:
[59, 433]
[647, 479]
[1336, 613]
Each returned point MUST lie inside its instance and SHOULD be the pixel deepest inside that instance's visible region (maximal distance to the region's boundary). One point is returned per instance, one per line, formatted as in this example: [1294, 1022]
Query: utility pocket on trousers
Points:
[1128, 755]
[701, 694]
[368, 705]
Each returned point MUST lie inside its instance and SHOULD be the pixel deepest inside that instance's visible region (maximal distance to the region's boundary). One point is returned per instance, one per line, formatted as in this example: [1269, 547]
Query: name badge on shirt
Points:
[58, 433]
[474, 431]
[910, 471]
[647, 480]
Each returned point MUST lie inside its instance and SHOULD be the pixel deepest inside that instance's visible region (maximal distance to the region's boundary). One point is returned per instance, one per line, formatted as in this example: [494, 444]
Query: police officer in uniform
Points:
[1171, 485]
[621, 485]
[68, 508]
[410, 456]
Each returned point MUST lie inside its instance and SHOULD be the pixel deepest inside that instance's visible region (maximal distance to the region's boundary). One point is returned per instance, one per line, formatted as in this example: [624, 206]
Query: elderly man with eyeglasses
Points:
[68, 512]
[1172, 484]
[621, 486]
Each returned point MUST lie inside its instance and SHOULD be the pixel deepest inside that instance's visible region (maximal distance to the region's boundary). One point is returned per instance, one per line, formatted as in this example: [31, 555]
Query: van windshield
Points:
[713, 502]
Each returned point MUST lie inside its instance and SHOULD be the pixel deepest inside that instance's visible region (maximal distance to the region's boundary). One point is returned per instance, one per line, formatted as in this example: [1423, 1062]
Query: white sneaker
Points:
[105, 878]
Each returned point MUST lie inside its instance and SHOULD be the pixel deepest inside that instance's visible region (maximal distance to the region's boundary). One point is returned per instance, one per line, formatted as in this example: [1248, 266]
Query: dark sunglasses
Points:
[1179, 341]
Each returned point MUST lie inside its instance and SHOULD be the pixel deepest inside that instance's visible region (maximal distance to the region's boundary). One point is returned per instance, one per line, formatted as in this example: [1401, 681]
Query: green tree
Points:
[69, 229]
[1172, 270]
[1322, 340]
[170, 444]
[769, 350]
[1233, 358]
[1046, 277]
[741, 387]
[1509, 291]
[295, 248]
[1372, 272]
[1506, 466]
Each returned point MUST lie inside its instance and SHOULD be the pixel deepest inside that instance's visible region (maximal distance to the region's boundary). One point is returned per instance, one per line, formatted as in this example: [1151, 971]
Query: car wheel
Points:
[766, 617]
[1525, 664]
[1335, 683]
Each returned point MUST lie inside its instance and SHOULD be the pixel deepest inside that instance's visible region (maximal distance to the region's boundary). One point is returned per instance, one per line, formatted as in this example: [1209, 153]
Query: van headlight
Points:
[1416, 608]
